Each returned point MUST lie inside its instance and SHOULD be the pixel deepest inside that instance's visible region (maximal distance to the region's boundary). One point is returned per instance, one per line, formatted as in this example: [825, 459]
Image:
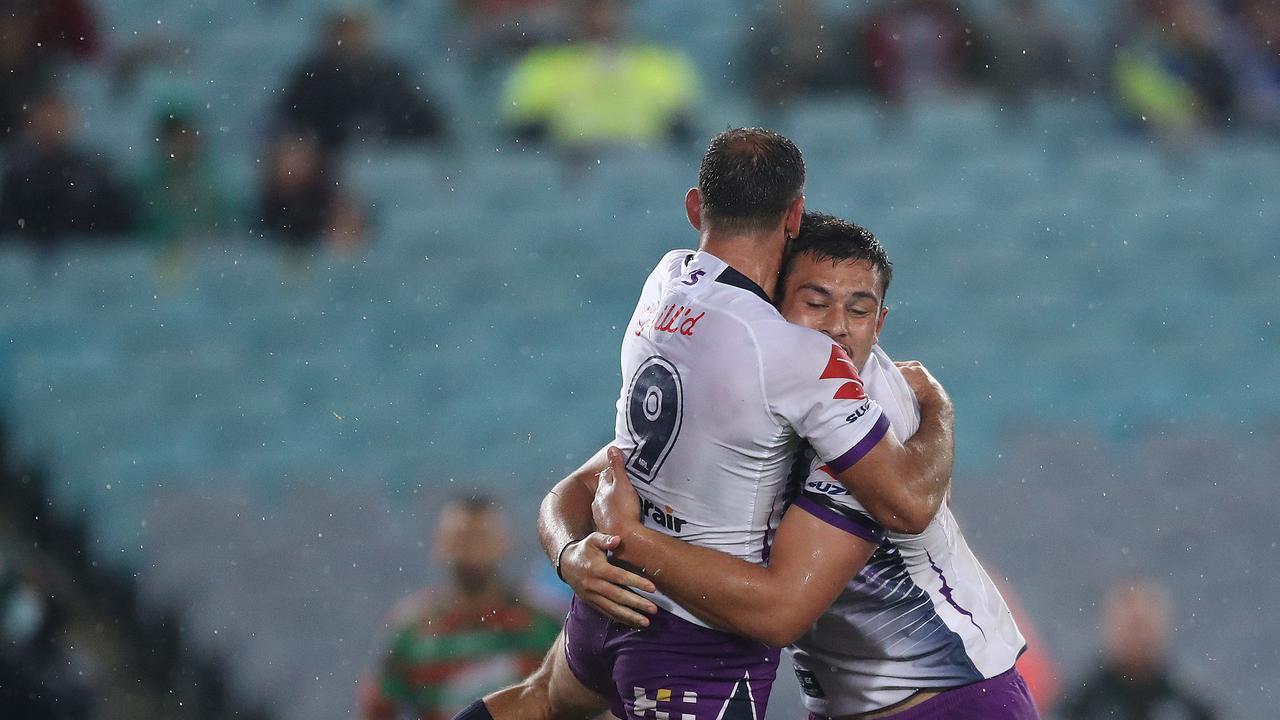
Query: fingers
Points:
[603, 541]
[616, 612]
[622, 596]
[622, 577]
[618, 468]
[601, 568]
[619, 603]
[617, 463]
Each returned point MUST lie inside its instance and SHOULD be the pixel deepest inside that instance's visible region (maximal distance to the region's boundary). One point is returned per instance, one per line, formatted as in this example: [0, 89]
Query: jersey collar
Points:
[729, 276]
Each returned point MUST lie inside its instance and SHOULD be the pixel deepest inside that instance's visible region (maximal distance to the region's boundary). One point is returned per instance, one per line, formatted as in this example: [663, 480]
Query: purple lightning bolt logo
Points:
[946, 593]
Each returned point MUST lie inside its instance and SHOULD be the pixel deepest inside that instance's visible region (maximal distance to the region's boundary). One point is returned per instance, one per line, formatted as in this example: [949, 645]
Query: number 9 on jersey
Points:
[655, 406]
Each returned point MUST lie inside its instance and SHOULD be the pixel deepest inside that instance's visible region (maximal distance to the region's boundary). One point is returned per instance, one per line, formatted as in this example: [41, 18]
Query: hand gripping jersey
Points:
[921, 614]
[717, 392]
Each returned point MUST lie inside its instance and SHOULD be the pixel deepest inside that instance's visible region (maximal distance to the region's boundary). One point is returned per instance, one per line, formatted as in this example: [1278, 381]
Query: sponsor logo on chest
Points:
[664, 516]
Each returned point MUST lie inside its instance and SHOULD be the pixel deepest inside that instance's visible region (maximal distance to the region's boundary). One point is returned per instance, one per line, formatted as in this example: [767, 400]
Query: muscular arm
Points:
[810, 562]
[580, 555]
[775, 604]
[902, 485]
[565, 513]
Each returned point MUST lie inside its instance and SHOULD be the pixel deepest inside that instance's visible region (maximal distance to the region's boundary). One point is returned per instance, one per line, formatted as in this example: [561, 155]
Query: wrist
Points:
[558, 562]
[632, 543]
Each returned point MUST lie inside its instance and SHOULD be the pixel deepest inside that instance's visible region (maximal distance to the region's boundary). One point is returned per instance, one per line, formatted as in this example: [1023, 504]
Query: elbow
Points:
[780, 629]
[911, 520]
[787, 634]
[547, 511]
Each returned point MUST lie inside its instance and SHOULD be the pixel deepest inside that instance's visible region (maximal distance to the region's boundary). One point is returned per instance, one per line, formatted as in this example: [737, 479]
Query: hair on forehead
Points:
[827, 237]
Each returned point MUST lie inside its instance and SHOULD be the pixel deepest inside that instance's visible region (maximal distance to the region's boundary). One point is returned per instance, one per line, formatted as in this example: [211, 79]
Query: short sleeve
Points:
[814, 387]
[826, 499]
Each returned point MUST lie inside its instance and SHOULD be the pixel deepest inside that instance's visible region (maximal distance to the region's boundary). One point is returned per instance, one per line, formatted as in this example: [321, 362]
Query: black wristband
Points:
[559, 556]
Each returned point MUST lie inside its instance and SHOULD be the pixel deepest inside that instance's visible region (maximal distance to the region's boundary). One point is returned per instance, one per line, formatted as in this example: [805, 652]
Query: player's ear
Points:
[791, 221]
[693, 207]
[884, 313]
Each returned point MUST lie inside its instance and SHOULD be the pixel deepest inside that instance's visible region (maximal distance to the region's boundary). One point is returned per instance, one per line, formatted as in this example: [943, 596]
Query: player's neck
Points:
[758, 257]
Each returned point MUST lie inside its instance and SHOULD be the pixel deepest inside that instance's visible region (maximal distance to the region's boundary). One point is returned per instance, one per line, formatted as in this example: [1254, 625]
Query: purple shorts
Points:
[672, 669]
[1003, 697]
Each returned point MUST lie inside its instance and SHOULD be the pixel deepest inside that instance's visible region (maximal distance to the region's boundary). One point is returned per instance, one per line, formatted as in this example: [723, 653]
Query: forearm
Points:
[565, 513]
[903, 485]
[933, 452]
[717, 588]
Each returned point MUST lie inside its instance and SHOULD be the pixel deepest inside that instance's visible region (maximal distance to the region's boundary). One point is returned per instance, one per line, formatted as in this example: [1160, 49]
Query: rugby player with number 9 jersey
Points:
[718, 393]
[883, 624]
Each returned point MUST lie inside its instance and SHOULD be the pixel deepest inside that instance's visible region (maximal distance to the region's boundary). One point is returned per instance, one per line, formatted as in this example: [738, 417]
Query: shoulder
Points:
[670, 267]
[882, 371]
[674, 260]
[791, 352]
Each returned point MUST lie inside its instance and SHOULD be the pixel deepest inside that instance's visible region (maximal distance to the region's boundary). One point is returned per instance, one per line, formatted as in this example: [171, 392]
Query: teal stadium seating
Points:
[259, 437]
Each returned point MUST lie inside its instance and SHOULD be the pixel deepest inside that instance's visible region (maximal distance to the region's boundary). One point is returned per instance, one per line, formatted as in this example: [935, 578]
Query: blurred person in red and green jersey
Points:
[476, 635]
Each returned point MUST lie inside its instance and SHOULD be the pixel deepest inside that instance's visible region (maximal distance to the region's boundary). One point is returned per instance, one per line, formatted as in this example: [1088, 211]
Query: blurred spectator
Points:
[181, 196]
[1167, 73]
[473, 637]
[348, 87]
[1029, 50]
[921, 48]
[1252, 45]
[52, 188]
[499, 29]
[38, 678]
[66, 26]
[34, 36]
[1134, 681]
[602, 88]
[796, 52]
[302, 202]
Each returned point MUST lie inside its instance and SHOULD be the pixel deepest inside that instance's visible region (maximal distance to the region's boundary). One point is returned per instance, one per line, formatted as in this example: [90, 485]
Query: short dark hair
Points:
[748, 178]
[827, 237]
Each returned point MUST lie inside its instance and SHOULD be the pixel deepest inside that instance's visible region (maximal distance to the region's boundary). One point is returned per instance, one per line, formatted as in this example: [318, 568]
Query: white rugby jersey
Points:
[921, 614]
[717, 392]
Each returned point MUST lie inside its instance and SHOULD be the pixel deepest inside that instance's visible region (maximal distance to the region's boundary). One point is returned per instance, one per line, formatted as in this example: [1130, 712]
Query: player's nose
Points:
[836, 326]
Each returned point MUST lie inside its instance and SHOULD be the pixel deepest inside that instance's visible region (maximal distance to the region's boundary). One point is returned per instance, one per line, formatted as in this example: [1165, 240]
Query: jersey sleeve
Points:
[814, 387]
[826, 499]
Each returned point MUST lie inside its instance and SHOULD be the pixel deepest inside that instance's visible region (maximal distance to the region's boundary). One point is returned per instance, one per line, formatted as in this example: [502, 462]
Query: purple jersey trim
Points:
[857, 452]
[831, 517]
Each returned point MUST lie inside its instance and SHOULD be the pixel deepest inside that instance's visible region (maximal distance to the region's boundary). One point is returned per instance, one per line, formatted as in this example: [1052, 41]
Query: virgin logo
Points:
[674, 319]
